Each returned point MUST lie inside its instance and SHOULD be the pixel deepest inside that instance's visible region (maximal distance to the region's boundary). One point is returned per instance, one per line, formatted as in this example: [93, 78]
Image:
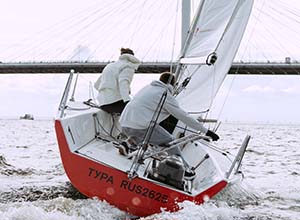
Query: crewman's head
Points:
[126, 50]
[167, 77]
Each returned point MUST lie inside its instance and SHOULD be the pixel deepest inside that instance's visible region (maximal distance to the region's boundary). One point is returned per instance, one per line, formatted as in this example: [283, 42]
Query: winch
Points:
[170, 170]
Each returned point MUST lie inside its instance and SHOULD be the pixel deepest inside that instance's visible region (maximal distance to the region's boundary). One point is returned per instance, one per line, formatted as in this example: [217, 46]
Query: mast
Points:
[185, 20]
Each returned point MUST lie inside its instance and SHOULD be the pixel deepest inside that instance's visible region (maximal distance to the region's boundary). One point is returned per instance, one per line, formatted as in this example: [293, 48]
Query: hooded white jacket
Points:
[114, 83]
[139, 111]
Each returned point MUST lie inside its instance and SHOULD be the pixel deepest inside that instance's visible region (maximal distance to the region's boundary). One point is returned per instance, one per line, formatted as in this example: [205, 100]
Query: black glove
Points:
[213, 135]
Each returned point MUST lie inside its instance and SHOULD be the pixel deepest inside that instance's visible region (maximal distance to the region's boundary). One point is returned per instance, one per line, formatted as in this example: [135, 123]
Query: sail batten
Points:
[193, 60]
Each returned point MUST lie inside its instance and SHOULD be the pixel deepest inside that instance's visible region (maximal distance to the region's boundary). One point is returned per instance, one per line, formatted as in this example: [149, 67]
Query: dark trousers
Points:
[115, 107]
[169, 123]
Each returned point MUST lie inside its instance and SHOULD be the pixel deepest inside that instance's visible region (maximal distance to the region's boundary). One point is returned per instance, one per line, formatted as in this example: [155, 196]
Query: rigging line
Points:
[156, 42]
[138, 19]
[97, 18]
[79, 15]
[252, 31]
[103, 11]
[94, 20]
[111, 39]
[257, 49]
[81, 22]
[53, 34]
[293, 10]
[284, 24]
[285, 15]
[279, 22]
[188, 74]
[48, 29]
[115, 37]
[100, 18]
[191, 74]
[158, 37]
[163, 30]
[180, 87]
[157, 9]
[278, 43]
[128, 10]
[153, 27]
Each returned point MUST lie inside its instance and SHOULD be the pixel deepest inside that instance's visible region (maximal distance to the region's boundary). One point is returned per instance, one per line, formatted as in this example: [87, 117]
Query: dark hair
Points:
[167, 77]
[126, 50]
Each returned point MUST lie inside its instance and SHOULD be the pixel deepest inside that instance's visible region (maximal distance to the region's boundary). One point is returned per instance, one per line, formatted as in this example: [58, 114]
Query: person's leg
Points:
[116, 107]
[134, 137]
[160, 136]
[137, 135]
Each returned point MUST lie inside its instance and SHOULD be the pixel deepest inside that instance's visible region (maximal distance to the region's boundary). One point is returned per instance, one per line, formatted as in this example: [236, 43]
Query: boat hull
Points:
[139, 196]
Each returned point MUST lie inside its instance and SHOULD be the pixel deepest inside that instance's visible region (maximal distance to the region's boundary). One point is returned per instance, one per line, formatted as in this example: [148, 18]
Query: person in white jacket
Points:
[137, 115]
[114, 83]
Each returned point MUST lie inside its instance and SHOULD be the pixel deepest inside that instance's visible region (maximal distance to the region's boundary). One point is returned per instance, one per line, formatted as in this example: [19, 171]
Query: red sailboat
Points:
[148, 182]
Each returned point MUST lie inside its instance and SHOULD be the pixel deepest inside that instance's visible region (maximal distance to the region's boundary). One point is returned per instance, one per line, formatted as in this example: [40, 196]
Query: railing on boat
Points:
[64, 98]
[239, 157]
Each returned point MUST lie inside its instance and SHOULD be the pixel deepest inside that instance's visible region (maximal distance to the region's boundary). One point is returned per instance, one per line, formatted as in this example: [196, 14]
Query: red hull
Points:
[137, 197]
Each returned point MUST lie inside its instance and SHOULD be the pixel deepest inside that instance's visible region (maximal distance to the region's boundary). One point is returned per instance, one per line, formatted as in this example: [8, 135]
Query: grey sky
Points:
[49, 30]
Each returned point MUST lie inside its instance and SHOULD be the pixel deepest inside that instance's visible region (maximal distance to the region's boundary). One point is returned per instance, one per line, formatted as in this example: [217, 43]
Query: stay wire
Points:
[157, 43]
[120, 12]
[84, 30]
[278, 43]
[55, 33]
[138, 18]
[162, 32]
[51, 29]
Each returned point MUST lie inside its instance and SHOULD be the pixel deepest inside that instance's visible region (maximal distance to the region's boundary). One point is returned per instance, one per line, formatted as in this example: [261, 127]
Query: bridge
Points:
[270, 68]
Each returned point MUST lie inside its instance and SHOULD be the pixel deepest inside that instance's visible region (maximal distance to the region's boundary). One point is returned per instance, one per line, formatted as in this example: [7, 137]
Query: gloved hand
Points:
[213, 135]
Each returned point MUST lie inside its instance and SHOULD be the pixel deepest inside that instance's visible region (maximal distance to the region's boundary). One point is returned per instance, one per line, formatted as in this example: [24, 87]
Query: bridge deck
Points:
[154, 67]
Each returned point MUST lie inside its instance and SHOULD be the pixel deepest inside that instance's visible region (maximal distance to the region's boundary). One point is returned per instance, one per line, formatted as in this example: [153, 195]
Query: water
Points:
[33, 184]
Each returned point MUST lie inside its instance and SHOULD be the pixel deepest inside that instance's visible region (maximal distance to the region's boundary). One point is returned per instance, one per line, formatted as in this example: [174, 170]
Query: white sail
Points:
[219, 29]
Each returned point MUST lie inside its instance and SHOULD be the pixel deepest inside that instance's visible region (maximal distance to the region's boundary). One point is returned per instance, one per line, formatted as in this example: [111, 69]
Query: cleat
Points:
[189, 175]
[123, 149]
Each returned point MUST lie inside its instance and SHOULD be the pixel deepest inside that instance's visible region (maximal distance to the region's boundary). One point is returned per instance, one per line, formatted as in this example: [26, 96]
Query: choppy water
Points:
[33, 184]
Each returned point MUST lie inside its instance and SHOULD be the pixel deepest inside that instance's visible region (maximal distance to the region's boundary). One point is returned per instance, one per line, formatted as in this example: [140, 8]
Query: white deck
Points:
[107, 153]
